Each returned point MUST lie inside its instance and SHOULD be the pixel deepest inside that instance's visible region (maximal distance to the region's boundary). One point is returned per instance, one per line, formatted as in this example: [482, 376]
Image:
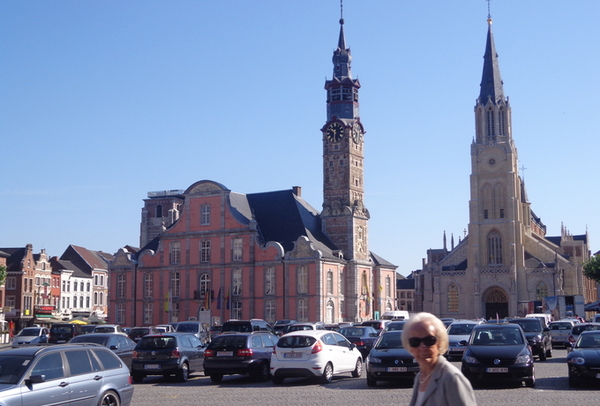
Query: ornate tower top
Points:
[491, 82]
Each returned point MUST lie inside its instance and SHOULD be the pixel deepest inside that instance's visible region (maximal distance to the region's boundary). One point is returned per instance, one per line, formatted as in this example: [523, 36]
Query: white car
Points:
[31, 335]
[458, 336]
[314, 353]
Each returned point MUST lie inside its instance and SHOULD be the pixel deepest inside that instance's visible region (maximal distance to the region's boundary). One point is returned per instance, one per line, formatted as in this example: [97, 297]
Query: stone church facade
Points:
[212, 254]
[506, 264]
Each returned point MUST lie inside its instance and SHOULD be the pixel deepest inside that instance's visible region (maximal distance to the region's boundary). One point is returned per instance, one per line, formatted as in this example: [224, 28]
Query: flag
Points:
[219, 299]
[167, 304]
[207, 299]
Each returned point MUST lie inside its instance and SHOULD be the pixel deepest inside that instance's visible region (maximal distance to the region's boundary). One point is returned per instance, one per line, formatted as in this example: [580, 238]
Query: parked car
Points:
[538, 336]
[395, 325]
[378, 325]
[559, 332]
[246, 326]
[584, 360]
[447, 321]
[119, 344]
[362, 336]
[196, 328]
[165, 328]
[498, 352]
[314, 353]
[87, 328]
[458, 336]
[36, 376]
[389, 361]
[137, 333]
[280, 325]
[239, 354]
[31, 335]
[215, 331]
[109, 328]
[167, 354]
[62, 332]
[577, 330]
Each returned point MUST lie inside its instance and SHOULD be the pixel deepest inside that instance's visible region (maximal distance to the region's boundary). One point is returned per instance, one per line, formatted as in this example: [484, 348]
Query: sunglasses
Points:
[416, 341]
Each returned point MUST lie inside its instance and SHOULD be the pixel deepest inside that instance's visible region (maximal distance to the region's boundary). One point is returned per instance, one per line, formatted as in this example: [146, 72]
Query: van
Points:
[60, 333]
[546, 318]
[395, 315]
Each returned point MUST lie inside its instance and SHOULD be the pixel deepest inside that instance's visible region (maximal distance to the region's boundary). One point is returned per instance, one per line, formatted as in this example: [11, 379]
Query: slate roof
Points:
[64, 264]
[491, 82]
[15, 256]
[85, 259]
[405, 283]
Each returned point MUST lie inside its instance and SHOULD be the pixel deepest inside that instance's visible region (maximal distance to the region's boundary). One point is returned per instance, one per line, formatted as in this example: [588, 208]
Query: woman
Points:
[439, 383]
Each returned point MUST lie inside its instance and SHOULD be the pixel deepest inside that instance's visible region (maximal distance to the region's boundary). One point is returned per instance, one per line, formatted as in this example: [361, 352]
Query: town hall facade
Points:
[212, 254]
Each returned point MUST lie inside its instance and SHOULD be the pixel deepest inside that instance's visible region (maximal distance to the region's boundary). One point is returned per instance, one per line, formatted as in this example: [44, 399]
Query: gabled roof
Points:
[85, 259]
[15, 256]
[64, 264]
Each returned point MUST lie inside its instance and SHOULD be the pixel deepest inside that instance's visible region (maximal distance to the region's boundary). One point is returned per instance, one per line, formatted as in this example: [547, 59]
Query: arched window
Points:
[204, 283]
[494, 248]
[452, 298]
[490, 122]
[541, 291]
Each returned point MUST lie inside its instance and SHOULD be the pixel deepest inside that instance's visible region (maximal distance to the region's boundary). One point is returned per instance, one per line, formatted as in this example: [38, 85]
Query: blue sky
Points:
[104, 101]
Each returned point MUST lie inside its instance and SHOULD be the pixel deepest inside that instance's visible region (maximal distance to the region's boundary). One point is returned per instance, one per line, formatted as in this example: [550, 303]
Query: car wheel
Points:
[327, 376]
[109, 398]
[277, 380]
[183, 373]
[262, 372]
[370, 381]
[137, 377]
[357, 369]
[216, 378]
[542, 355]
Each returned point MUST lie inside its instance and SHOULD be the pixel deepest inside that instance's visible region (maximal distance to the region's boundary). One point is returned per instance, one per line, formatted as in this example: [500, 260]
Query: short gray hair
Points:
[423, 317]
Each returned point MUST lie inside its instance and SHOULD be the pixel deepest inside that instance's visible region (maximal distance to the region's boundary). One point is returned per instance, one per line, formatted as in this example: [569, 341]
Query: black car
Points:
[538, 335]
[498, 352]
[395, 325]
[60, 333]
[137, 333]
[389, 361]
[196, 328]
[584, 359]
[118, 343]
[362, 336]
[167, 354]
[239, 353]
[246, 326]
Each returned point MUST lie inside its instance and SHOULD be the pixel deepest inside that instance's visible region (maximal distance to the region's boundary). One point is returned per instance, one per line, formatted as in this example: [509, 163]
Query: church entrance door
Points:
[496, 304]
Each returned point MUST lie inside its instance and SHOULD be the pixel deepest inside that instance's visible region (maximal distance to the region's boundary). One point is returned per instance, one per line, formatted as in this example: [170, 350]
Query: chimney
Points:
[297, 190]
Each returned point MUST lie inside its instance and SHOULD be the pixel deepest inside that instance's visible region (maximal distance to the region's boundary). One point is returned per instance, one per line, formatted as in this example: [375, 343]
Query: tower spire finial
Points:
[341, 11]
[489, 19]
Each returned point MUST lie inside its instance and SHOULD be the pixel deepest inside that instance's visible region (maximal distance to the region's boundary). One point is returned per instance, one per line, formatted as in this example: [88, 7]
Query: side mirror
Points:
[113, 347]
[463, 343]
[36, 379]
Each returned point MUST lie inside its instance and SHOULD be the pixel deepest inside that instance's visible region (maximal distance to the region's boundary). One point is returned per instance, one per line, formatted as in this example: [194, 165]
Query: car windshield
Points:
[589, 327]
[530, 326]
[30, 331]
[588, 341]
[296, 342]
[90, 339]
[497, 336]
[353, 332]
[12, 368]
[153, 343]
[187, 328]
[61, 329]
[389, 341]
[395, 326]
[460, 329]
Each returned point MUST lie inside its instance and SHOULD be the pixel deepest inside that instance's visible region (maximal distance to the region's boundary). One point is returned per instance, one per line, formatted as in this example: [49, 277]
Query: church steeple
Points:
[491, 82]
[342, 59]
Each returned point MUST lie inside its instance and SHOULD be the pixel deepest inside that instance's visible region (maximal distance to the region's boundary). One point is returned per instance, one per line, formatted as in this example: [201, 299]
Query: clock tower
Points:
[344, 216]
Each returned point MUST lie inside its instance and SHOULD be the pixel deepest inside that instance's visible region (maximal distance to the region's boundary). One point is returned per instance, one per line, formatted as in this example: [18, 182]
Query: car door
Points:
[347, 356]
[85, 379]
[54, 390]
[124, 349]
[194, 351]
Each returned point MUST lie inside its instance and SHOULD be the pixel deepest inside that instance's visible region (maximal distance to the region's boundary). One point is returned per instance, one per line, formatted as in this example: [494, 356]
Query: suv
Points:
[63, 332]
[538, 335]
[166, 354]
[239, 353]
[246, 326]
[64, 374]
[196, 328]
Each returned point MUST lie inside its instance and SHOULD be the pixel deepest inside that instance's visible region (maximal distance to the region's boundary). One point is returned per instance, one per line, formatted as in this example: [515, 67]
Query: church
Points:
[211, 254]
[505, 265]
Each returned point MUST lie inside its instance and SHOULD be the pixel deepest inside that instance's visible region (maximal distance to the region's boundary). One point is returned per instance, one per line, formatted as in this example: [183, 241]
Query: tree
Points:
[591, 268]
[2, 274]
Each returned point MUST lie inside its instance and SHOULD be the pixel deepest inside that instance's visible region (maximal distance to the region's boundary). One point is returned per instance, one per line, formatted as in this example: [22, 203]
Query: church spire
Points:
[342, 58]
[491, 82]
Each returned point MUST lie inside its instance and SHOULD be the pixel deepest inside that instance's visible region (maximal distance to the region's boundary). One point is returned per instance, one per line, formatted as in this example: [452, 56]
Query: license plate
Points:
[151, 366]
[224, 353]
[292, 355]
[496, 370]
[397, 369]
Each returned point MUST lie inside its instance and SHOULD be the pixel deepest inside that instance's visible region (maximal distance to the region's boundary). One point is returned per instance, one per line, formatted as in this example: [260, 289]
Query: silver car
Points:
[63, 375]
[31, 335]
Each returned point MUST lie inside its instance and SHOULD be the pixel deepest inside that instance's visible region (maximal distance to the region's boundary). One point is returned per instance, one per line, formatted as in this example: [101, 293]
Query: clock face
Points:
[357, 134]
[334, 132]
